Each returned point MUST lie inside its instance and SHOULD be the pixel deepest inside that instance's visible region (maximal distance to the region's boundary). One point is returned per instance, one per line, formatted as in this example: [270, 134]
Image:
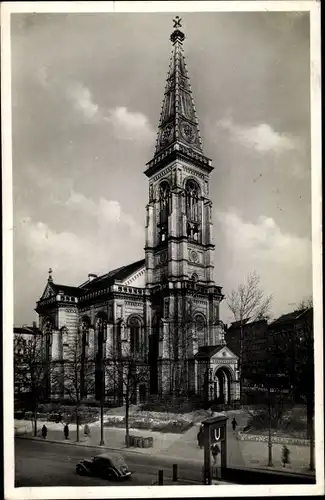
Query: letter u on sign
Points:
[217, 434]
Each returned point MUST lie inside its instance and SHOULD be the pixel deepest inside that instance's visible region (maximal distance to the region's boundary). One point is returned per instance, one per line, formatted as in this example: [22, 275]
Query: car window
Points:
[102, 462]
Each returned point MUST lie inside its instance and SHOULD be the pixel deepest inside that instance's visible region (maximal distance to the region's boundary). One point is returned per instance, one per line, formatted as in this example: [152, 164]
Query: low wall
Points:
[237, 475]
[242, 436]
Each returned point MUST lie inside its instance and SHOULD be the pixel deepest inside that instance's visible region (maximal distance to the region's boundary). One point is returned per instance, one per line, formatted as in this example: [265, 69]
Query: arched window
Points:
[164, 210]
[100, 333]
[135, 335]
[47, 332]
[192, 192]
[84, 333]
[200, 330]
[47, 339]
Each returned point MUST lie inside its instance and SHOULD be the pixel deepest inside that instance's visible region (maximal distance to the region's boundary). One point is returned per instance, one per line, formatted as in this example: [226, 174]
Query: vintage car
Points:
[106, 465]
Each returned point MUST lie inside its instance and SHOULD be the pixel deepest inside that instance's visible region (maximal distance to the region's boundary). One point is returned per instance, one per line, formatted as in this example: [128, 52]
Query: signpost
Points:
[215, 435]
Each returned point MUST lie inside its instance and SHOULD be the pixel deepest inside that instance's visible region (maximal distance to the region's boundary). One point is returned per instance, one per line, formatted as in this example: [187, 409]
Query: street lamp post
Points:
[269, 444]
[102, 397]
[268, 378]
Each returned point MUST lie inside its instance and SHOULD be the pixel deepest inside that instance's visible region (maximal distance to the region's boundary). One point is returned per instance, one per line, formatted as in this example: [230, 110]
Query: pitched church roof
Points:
[119, 274]
[99, 283]
[67, 290]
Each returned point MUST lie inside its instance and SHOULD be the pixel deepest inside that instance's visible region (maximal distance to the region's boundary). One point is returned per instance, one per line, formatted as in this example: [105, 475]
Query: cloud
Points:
[261, 138]
[264, 240]
[126, 124]
[130, 125]
[283, 260]
[42, 76]
[65, 250]
[83, 101]
[108, 213]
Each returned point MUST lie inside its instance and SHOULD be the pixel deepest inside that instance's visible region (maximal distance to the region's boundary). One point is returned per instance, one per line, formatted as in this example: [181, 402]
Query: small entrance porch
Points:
[217, 374]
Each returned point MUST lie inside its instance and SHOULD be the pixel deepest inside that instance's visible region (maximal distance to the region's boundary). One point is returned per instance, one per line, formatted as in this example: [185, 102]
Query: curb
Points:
[98, 447]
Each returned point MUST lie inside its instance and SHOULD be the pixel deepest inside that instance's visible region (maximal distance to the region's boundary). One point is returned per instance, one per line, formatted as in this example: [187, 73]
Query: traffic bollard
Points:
[175, 473]
[160, 477]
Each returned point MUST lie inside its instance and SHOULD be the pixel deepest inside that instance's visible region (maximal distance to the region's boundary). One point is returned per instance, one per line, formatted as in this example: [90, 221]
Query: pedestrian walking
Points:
[234, 424]
[200, 438]
[215, 450]
[44, 431]
[66, 431]
[87, 430]
[285, 455]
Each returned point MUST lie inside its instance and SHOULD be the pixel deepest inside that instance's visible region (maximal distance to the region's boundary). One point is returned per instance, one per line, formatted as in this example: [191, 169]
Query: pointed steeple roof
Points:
[178, 129]
[178, 121]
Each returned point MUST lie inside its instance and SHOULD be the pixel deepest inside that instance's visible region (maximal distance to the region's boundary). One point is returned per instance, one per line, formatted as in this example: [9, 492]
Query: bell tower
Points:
[179, 229]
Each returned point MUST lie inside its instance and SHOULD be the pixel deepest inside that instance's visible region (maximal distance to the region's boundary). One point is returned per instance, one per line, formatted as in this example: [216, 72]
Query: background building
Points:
[25, 338]
[254, 349]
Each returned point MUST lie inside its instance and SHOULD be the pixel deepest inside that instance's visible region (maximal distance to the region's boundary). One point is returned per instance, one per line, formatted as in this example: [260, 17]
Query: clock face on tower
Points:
[194, 256]
[188, 132]
[166, 135]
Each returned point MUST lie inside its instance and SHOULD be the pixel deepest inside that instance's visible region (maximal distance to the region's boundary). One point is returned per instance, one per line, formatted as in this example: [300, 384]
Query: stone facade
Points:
[163, 309]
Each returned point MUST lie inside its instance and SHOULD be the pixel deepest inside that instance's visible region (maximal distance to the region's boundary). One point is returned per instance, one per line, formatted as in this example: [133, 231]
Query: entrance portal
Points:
[222, 385]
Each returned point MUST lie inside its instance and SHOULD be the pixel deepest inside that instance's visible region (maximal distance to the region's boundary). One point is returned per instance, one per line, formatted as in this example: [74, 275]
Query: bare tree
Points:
[306, 303]
[78, 374]
[30, 371]
[125, 370]
[248, 303]
[178, 353]
[302, 381]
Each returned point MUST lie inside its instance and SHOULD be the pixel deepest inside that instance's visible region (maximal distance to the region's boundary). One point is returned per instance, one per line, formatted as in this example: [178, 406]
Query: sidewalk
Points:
[180, 446]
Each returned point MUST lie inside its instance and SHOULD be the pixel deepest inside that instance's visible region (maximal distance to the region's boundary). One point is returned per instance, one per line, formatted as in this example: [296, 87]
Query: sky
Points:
[86, 96]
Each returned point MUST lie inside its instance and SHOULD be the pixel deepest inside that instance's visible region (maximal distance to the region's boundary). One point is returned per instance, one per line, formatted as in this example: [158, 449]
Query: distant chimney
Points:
[34, 324]
[92, 276]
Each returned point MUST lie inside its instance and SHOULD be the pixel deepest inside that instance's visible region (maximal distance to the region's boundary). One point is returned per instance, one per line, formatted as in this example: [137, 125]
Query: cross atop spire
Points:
[177, 22]
[177, 34]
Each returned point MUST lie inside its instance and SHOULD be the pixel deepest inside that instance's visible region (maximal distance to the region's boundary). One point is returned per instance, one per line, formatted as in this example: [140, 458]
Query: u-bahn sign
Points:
[217, 434]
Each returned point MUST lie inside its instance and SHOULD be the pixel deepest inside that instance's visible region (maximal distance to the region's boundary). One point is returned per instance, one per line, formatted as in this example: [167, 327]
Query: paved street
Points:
[40, 463]
[183, 448]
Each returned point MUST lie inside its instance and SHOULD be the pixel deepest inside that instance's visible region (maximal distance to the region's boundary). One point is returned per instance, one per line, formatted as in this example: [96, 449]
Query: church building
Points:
[162, 311]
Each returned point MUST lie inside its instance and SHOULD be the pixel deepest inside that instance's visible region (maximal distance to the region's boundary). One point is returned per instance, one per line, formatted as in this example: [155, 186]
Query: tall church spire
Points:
[178, 129]
[178, 122]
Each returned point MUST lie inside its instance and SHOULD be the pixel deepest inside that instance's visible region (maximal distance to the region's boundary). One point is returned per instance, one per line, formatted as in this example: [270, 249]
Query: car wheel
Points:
[80, 470]
[110, 475]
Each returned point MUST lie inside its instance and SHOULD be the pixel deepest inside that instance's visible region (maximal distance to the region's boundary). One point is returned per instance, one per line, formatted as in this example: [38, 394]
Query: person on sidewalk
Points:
[234, 424]
[215, 450]
[87, 431]
[285, 455]
[44, 431]
[66, 431]
[200, 438]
